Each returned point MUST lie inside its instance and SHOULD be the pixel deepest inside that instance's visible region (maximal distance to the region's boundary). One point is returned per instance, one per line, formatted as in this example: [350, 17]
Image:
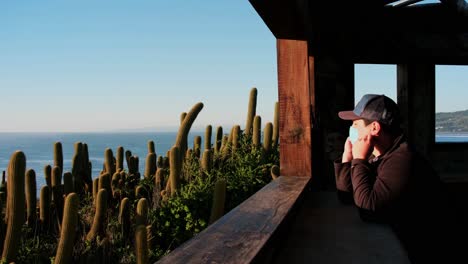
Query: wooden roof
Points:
[373, 31]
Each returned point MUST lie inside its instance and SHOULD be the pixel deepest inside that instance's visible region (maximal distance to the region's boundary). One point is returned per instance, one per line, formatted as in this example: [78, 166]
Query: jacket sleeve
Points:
[392, 179]
[343, 176]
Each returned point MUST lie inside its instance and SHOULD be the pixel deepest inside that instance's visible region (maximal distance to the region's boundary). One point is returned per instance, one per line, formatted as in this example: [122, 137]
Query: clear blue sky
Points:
[103, 65]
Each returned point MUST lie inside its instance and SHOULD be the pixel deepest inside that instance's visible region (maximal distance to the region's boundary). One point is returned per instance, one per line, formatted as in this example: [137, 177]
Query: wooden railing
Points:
[243, 234]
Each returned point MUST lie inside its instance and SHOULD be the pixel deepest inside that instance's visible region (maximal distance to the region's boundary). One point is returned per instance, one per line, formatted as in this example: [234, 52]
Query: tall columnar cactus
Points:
[149, 236]
[275, 172]
[140, 192]
[275, 136]
[207, 160]
[141, 245]
[208, 132]
[44, 207]
[31, 199]
[69, 228]
[78, 168]
[158, 179]
[175, 169]
[58, 155]
[95, 188]
[150, 165]
[100, 217]
[251, 111]
[128, 154]
[105, 183]
[124, 217]
[67, 183]
[160, 162]
[3, 187]
[151, 148]
[219, 198]
[109, 161]
[87, 168]
[115, 182]
[257, 127]
[236, 134]
[182, 117]
[267, 133]
[48, 175]
[197, 146]
[184, 129]
[119, 164]
[219, 139]
[57, 193]
[224, 143]
[15, 206]
[141, 215]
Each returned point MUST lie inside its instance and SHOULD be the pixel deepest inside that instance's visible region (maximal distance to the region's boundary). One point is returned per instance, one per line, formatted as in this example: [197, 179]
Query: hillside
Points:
[452, 121]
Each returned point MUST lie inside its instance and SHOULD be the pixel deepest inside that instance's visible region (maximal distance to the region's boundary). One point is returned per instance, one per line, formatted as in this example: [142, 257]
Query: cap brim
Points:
[348, 115]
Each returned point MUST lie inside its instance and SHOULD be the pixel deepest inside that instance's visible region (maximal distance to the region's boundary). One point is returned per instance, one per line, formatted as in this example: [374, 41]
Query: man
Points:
[390, 182]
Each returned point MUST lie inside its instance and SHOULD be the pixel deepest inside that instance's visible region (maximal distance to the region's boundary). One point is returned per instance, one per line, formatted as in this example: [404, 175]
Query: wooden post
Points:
[416, 99]
[295, 108]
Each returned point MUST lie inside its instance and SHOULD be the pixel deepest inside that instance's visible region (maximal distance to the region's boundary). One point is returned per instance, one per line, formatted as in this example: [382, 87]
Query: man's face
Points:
[361, 127]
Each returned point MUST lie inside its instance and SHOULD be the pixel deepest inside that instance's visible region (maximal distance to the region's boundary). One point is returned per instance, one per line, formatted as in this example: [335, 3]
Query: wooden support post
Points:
[295, 108]
[416, 99]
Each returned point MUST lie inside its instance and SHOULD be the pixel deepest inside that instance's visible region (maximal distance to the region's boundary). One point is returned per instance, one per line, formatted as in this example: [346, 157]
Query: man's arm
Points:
[390, 182]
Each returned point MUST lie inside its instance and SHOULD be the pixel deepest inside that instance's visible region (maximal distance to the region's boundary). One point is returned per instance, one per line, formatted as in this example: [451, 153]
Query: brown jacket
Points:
[401, 188]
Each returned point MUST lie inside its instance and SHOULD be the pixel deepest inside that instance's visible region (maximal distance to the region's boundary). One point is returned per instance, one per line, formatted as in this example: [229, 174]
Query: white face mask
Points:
[353, 134]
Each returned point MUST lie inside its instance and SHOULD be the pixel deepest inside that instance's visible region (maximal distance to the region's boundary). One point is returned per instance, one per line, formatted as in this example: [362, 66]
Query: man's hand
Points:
[363, 147]
[347, 154]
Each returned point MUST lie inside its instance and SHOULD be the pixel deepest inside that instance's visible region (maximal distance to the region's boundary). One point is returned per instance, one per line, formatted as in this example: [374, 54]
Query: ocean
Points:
[38, 147]
[39, 151]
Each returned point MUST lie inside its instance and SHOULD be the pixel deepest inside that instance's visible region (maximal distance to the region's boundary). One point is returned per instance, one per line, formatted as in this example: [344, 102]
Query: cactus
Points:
[77, 167]
[95, 187]
[181, 140]
[69, 227]
[160, 162]
[57, 192]
[3, 188]
[197, 146]
[182, 117]
[151, 148]
[224, 143]
[44, 207]
[128, 154]
[141, 215]
[257, 126]
[208, 131]
[207, 160]
[219, 198]
[15, 206]
[150, 165]
[251, 111]
[175, 169]
[275, 172]
[48, 175]
[149, 236]
[105, 183]
[275, 136]
[99, 218]
[115, 182]
[67, 183]
[31, 199]
[219, 139]
[119, 158]
[140, 192]
[58, 156]
[236, 134]
[267, 133]
[109, 161]
[124, 217]
[141, 245]
[158, 179]
[189, 153]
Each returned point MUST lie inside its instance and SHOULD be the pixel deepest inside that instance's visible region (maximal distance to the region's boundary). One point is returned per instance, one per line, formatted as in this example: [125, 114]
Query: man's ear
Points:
[376, 128]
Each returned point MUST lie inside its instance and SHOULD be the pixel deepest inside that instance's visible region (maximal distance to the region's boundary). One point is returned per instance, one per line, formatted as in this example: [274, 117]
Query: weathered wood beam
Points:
[416, 99]
[295, 108]
[246, 233]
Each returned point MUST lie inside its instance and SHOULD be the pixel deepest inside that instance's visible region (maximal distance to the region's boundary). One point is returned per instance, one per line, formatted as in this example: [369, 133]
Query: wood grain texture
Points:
[295, 108]
[241, 234]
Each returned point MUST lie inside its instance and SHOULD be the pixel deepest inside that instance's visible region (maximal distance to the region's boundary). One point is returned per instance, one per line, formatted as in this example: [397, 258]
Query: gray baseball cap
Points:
[374, 107]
